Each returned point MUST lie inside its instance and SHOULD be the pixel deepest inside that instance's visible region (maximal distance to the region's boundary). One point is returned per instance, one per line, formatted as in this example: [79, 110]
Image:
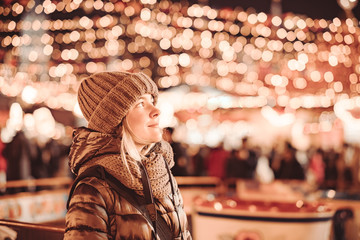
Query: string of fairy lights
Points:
[288, 61]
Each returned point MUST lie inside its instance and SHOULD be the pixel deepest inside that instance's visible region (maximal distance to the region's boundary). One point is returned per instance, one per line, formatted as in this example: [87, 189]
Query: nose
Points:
[155, 112]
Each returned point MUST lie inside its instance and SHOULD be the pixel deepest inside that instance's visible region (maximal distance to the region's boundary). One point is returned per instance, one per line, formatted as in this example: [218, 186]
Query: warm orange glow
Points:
[278, 59]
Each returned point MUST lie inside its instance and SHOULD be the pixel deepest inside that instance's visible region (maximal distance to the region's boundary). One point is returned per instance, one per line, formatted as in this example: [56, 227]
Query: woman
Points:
[124, 138]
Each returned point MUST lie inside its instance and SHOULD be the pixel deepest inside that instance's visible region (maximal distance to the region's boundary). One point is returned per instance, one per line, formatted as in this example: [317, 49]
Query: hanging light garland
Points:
[290, 60]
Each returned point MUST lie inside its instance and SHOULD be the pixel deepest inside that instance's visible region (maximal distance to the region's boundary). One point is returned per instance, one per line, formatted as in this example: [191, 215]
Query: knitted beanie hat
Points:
[105, 98]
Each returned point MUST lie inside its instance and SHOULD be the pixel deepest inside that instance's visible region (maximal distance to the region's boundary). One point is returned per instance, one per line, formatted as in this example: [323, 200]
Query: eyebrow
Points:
[145, 98]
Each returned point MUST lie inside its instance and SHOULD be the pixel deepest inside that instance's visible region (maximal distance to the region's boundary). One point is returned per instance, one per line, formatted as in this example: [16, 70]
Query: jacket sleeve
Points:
[87, 217]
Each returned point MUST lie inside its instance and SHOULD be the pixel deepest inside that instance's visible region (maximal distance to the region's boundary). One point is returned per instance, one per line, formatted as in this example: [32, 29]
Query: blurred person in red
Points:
[216, 161]
[317, 166]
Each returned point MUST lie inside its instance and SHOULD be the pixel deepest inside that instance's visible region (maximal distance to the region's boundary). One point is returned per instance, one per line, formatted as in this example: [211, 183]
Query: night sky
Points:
[327, 9]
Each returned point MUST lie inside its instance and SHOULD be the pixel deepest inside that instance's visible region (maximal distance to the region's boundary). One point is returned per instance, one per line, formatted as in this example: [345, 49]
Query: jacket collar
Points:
[88, 144]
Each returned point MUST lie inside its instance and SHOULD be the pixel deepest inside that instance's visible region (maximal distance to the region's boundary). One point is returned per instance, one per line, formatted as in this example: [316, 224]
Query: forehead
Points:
[146, 96]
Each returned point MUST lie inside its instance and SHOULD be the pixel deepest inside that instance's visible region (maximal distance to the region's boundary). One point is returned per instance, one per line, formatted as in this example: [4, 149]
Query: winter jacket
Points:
[97, 211]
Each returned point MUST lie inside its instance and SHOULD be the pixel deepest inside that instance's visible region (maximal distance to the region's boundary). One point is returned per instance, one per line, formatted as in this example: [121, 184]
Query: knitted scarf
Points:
[127, 171]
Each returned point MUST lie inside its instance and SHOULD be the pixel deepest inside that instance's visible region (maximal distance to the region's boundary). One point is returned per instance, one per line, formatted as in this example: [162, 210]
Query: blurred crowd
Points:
[331, 168]
[26, 158]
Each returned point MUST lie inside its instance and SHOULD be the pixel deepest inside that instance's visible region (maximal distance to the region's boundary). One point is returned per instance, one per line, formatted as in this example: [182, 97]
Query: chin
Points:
[156, 136]
[153, 138]
[158, 139]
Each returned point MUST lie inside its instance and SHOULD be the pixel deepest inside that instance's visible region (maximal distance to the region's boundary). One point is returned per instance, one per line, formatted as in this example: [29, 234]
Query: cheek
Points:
[136, 123]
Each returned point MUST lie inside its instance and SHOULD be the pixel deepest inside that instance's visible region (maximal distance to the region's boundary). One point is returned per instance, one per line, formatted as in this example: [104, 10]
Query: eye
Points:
[140, 104]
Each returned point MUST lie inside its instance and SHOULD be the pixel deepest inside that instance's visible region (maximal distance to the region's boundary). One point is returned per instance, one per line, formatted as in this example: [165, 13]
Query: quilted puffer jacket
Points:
[97, 211]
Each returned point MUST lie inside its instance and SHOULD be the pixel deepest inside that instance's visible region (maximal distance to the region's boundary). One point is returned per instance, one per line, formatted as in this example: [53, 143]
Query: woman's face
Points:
[143, 121]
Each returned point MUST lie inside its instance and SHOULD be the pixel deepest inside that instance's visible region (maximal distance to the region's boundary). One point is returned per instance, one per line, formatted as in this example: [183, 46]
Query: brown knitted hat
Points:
[105, 98]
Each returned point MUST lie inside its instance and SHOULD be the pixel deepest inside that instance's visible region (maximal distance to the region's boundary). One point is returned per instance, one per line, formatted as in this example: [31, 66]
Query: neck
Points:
[139, 147]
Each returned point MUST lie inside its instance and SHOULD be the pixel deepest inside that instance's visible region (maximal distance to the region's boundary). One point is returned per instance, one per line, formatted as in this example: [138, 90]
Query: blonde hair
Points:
[128, 145]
